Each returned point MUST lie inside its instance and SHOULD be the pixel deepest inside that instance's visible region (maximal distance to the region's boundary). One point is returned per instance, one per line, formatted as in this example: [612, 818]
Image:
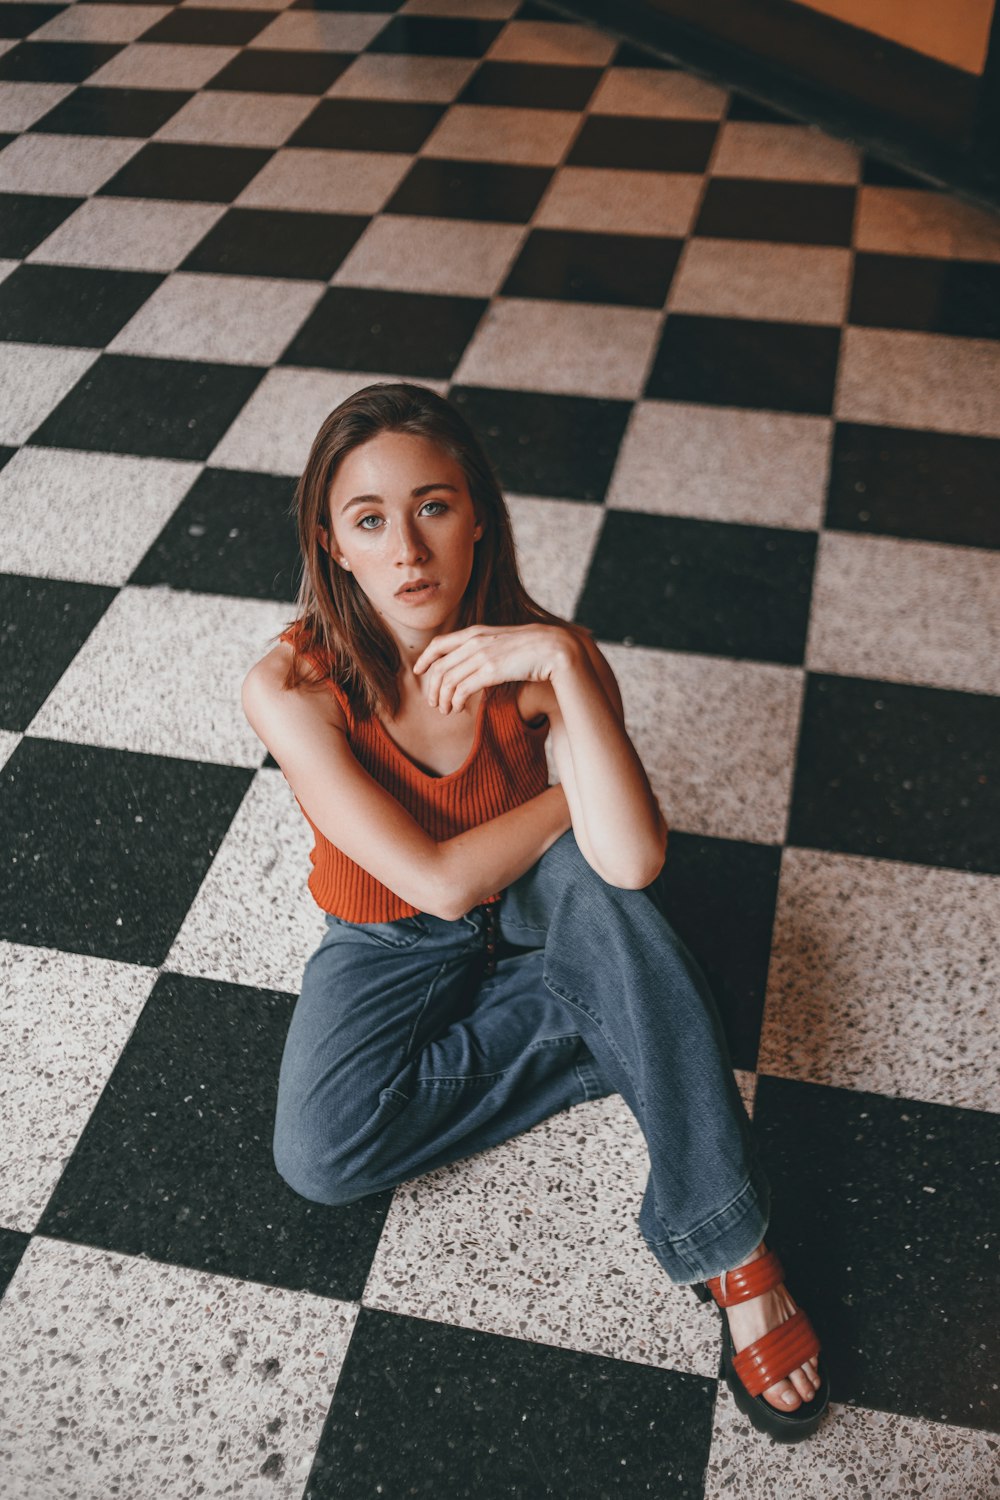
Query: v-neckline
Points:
[433, 775]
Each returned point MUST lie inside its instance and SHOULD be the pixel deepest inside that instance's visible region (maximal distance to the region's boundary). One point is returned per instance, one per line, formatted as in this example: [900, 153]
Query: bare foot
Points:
[751, 1320]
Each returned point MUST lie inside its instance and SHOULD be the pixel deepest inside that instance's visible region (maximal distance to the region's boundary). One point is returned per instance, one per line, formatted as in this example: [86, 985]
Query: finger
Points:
[438, 671]
[441, 644]
[455, 682]
[483, 677]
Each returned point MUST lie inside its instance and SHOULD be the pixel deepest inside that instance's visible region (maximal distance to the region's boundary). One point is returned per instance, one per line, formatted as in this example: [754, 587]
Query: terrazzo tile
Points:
[152, 1379]
[429, 80]
[45, 622]
[9, 742]
[788, 153]
[421, 254]
[866, 1454]
[346, 182]
[21, 104]
[555, 541]
[880, 979]
[723, 464]
[135, 234]
[919, 380]
[203, 317]
[483, 132]
[100, 23]
[552, 42]
[226, 118]
[619, 202]
[906, 611]
[129, 686]
[481, 10]
[717, 738]
[64, 1019]
[101, 512]
[253, 920]
[70, 165]
[7, 267]
[755, 279]
[571, 348]
[33, 379]
[654, 93]
[537, 1239]
[904, 221]
[162, 65]
[319, 31]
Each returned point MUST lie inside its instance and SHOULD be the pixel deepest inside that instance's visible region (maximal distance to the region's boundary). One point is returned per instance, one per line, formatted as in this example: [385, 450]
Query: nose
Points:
[410, 546]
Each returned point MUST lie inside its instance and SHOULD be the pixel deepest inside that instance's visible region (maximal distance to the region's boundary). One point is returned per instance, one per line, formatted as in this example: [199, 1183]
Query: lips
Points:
[415, 588]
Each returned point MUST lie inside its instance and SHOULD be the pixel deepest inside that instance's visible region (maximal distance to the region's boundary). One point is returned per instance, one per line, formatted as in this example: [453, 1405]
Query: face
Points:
[402, 521]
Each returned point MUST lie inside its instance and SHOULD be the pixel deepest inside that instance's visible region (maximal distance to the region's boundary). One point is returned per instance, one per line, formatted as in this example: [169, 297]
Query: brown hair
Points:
[336, 628]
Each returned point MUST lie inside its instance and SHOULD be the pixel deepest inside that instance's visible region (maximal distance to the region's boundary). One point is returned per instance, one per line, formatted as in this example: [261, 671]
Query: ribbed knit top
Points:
[505, 767]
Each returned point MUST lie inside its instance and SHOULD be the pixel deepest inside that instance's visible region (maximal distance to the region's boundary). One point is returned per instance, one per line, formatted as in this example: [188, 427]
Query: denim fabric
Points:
[402, 1055]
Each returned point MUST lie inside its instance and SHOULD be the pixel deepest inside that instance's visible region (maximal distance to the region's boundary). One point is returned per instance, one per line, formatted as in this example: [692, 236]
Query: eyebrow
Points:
[423, 489]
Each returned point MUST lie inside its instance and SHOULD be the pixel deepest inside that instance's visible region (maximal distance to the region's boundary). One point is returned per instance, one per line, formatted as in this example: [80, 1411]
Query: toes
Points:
[777, 1394]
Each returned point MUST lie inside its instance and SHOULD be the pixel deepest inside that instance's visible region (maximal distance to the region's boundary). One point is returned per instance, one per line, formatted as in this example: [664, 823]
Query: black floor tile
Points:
[96, 111]
[884, 1217]
[368, 125]
[270, 242]
[209, 174]
[957, 297]
[644, 144]
[742, 107]
[929, 486]
[259, 71]
[531, 85]
[104, 850]
[563, 446]
[207, 27]
[407, 333]
[738, 362]
[55, 62]
[470, 190]
[801, 213]
[436, 36]
[682, 584]
[12, 1247]
[231, 534]
[43, 624]
[71, 305]
[6, 454]
[175, 1163]
[475, 1414]
[713, 886]
[21, 20]
[877, 173]
[898, 772]
[629, 270]
[6, 139]
[155, 408]
[27, 219]
[631, 56]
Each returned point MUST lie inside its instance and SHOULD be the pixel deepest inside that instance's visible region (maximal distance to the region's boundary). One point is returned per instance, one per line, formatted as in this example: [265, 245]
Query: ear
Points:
[323, 537]
[477, 531]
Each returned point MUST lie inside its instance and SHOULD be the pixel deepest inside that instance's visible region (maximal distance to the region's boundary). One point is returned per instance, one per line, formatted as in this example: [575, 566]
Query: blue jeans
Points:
[403, 1055]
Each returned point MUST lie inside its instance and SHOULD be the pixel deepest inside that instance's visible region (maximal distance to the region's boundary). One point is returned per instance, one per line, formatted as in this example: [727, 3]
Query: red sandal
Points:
[770, 1358]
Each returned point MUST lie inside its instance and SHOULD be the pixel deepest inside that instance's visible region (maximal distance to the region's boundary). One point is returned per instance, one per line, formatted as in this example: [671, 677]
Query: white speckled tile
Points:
[614, 201]
[573, 348]
[716, 736]
[64, 1019]
[791, 153]
[723, 464]
[537, 1239]
[253, 920]
[334, 182]
[319, 31]
[867, 1455]
[430, 80]
[63, 165]
[421, 254]
[883, 978]
[7, 267]
[9, 742]
[488, 132]
[890, 378]
[275, 429]
[162, 65]
[908, 221]
[555, 542]
[658, 93]
[123, 1376]
[204, 317]
[100, 23]
[552, 42]
[906, 611]
[101, 511]
[161, 673]
[756, 279]
[129, 234]
[21, 104]
[224, 117]
[33, 380]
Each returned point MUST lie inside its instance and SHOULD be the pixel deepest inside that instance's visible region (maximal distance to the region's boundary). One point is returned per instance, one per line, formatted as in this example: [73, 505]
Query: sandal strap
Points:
[747, 1281]
[773, 1357]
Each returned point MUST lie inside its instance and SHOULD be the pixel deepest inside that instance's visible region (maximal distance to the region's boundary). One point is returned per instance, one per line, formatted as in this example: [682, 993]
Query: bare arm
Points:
[305, 732]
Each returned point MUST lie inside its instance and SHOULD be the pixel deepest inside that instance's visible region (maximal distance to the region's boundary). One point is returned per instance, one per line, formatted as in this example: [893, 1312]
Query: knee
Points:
[327, 1165]
[318, 1176]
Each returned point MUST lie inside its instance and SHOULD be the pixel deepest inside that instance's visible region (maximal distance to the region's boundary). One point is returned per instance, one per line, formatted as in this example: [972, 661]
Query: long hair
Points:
[337, 632]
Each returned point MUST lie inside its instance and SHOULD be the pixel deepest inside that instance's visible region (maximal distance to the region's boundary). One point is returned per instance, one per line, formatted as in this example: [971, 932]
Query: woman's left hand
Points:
[460, 663]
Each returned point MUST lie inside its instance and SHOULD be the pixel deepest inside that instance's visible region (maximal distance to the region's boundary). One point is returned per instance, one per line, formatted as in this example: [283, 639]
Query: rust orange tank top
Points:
[505, 767]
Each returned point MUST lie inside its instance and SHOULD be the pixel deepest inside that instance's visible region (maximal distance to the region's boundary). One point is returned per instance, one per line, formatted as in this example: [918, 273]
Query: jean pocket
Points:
[403, 933]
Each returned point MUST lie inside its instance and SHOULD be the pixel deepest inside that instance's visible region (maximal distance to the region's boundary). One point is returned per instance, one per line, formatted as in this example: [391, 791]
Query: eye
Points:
[363, 527]
[439, 503]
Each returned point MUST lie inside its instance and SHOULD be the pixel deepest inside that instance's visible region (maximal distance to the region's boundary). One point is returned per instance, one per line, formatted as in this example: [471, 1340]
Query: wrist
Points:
[568, 657]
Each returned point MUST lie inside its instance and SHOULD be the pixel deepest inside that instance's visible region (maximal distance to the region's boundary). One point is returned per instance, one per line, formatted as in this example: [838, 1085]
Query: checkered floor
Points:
[743, 389]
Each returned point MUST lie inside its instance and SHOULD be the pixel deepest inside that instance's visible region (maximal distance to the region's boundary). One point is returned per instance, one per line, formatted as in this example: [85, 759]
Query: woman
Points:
[496, 949]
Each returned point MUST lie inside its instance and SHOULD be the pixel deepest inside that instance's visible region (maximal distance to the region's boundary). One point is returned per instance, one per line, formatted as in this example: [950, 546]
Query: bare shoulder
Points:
[269, 704]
